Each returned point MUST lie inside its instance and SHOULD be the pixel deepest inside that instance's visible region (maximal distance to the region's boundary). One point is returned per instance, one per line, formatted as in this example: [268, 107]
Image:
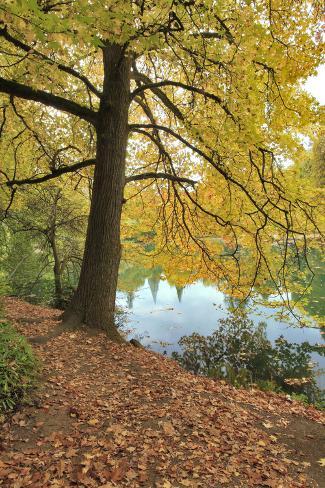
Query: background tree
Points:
[314, 166]
[21, 265]
[176, 92]
[58, 225]
[45, 232]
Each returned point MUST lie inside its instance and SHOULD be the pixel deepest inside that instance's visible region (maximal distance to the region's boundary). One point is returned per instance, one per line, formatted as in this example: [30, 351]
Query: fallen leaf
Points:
[168, 428]
[131, 474]
[93, 422]
[187, 483]
[268, 425]
[167, 484]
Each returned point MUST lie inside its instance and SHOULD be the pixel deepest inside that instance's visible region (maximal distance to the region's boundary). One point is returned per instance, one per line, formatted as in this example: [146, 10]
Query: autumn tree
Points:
[199, 99]
[314, 165]
[56, 223]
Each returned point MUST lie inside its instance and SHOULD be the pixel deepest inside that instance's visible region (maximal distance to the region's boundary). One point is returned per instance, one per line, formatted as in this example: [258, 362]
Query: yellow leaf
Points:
[321, 461]
[93, 422]
[187, 483]
[268, 425]
[167, 484]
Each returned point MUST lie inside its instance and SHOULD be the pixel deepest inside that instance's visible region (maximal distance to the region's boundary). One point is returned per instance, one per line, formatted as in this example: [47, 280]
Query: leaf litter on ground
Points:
[109, 415]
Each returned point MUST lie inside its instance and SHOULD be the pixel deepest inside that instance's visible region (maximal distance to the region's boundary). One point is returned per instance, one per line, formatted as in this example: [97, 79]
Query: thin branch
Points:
[208, 35]
[226, 29]
[28, 49]
[165, 176]
[11, 200]
[222, 171]
[193, 89]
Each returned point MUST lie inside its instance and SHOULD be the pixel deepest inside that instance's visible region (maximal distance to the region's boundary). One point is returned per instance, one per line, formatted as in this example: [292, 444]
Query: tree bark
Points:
[94, 301]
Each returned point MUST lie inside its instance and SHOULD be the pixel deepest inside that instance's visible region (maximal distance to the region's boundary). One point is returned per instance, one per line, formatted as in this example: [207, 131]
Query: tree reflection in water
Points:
[240, 353]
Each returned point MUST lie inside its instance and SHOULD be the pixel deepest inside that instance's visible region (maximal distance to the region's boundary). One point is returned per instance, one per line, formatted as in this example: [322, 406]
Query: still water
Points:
[159, 314]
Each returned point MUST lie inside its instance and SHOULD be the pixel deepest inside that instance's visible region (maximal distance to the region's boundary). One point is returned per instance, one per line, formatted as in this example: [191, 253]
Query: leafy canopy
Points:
[216, 108]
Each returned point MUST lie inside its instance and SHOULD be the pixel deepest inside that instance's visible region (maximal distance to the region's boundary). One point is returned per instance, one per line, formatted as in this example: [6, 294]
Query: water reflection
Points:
[239, 352]
[162, 312]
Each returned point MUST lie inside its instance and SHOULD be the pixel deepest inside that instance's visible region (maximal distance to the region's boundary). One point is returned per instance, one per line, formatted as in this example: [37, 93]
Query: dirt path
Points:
[118, 416]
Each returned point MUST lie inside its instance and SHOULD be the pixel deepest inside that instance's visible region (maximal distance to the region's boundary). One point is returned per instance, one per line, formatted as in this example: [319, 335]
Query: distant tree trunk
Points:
[94, 301]
[58, 289]
[51, 235]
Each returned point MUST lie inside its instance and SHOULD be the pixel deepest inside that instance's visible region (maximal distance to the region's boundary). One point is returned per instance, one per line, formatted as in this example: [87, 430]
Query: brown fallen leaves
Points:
[117, 416]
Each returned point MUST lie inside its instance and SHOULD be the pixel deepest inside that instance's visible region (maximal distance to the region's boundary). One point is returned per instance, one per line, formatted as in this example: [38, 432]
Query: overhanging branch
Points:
[91, 162]
[208, 35]
[227, 176]
[54, 174]
[59, 103]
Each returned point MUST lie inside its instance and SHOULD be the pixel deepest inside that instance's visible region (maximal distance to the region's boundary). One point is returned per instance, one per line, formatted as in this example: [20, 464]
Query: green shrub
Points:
[18, 368]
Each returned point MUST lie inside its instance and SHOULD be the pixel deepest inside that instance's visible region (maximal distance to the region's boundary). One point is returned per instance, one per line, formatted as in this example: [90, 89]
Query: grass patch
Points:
[19, 368]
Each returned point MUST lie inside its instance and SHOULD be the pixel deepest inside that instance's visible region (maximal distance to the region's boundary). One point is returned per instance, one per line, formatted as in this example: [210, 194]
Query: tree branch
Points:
[165, 176]
[28, 49]
[193, 89]
[159, 93]
[228, 177]
[23, 91]
[91, 162]
[167, 130]
[226, 29]
[54, 174]
[208, 35]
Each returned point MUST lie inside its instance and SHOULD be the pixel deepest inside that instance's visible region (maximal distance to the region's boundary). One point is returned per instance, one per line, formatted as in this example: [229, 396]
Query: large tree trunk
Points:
[94, 301]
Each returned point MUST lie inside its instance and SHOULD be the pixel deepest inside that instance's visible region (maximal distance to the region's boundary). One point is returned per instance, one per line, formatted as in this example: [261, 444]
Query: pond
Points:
[160, 313]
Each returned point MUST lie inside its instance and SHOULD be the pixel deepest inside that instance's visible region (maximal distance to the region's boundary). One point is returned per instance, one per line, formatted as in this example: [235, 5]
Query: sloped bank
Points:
[110, 415]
